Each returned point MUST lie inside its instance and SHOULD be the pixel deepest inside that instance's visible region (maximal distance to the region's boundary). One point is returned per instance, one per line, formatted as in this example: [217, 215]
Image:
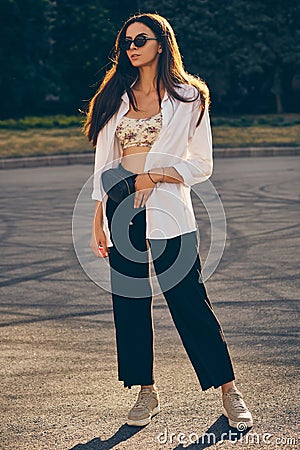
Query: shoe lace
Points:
[237, 402]
[143, 399]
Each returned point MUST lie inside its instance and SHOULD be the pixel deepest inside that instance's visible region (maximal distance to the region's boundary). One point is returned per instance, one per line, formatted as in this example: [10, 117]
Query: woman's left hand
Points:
[143, 187]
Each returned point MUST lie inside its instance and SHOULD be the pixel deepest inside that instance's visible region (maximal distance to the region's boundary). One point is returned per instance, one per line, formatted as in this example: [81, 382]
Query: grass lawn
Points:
[37, 142]
[262, 136]
[57, 140]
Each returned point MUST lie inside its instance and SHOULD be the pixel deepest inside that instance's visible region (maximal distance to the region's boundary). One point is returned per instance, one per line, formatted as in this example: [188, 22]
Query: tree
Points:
[84, 35]
[243, 49]
[25, 75]
[54, 52]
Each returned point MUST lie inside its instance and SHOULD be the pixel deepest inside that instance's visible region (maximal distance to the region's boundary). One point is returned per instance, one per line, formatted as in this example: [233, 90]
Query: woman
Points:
[150, 119]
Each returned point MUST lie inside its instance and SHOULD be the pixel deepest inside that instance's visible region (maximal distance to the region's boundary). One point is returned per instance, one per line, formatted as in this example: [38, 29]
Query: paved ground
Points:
[58, 373]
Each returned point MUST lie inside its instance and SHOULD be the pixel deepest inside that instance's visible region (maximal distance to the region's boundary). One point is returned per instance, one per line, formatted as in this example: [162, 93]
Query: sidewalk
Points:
[88, 158]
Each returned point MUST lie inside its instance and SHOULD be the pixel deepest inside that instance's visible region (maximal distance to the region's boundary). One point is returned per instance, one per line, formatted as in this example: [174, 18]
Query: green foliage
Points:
[257, 121]
[82, 38]
[54, 52]
[48, 122]
[63, 121]
[247, 51]
[24, 56]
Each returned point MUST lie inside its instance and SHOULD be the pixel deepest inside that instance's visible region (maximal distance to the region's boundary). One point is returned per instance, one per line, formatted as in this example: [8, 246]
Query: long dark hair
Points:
[122, 74]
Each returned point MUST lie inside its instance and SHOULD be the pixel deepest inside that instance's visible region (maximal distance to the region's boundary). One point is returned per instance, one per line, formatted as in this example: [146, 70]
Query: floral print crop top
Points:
[139, 132]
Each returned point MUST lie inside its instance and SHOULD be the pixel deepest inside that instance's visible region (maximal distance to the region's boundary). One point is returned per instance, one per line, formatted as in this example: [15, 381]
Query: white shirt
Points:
[180, 144]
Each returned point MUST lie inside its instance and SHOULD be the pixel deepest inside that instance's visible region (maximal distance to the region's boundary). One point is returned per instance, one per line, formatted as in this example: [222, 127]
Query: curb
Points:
[256, 152]
[50, 160]
[88, 158]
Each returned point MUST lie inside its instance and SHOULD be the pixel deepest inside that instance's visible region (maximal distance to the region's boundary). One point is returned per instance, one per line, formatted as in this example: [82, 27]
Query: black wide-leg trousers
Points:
[178, 270]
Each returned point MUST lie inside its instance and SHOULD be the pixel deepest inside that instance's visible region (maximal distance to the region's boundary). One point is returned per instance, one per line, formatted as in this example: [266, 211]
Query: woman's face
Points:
[149, 53]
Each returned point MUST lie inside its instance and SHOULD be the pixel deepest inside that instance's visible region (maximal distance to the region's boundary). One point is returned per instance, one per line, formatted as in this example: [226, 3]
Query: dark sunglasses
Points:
[139, 41]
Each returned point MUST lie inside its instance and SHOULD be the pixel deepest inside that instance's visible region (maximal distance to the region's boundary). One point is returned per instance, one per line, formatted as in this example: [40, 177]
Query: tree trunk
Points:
[277, 91]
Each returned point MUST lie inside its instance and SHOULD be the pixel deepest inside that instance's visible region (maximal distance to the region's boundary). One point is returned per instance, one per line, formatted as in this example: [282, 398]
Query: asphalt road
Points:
[59, 385]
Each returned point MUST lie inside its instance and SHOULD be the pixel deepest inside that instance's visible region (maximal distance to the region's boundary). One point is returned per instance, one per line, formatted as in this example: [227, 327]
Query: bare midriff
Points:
[134, 158]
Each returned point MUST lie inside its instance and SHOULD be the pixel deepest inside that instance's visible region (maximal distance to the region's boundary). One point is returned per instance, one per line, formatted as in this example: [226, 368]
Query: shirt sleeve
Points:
[98, 191]
[198, 165]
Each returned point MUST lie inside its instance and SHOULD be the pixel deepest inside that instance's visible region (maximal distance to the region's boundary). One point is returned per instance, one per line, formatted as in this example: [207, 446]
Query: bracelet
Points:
[151, 177]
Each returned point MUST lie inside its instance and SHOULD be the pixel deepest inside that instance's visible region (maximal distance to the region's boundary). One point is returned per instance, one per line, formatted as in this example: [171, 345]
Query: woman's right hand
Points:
[99, 239]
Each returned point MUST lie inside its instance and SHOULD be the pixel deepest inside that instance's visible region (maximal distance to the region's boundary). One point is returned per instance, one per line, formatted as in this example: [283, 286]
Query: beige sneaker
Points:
[146, 406]
[235, 409]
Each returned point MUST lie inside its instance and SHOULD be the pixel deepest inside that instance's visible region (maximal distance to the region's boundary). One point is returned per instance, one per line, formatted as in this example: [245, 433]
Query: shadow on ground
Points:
[217, 433]
[122, 434]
